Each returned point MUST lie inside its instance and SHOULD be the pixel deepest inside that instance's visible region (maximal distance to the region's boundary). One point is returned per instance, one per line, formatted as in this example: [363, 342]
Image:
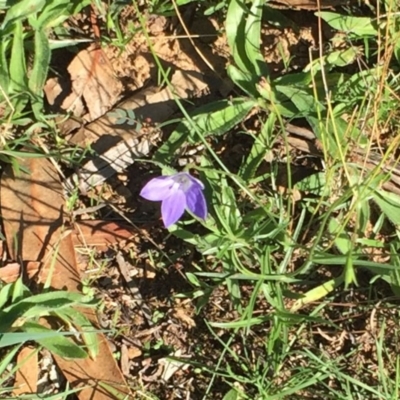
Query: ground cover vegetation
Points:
[199, 199]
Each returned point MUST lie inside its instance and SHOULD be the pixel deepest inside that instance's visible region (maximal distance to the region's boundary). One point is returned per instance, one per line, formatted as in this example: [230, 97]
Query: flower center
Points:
[183, 181]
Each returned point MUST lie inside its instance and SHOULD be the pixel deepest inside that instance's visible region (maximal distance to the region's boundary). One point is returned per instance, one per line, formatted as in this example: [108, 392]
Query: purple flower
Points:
[177, 193]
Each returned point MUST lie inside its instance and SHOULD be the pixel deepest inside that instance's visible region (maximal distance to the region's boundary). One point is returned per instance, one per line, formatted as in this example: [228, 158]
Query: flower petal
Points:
[197, 183]
[172, 208]
[158, 189]
[196, 202]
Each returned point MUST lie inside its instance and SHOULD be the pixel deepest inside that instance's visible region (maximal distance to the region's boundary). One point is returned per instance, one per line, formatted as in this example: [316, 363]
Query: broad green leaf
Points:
[299, 79]
[12, 338]
[39, 305]
[235, 25]
[338, 58]
[19, 289]
[17, 61]
[359, 26]
[232, 395]
[4, 73]
[22, 9]
[315, 184]
[253, 39]
[58, 345]
[341, 238]
[54, 13]
[40, 68]
[389, 203]
[18, 79]
[242, 79]
[211, 120]
[302, 99]
[85, 327]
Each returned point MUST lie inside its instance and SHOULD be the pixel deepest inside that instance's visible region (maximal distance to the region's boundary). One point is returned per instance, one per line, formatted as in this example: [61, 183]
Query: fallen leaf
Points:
[134, 352]
[100, 234]
[32, 211]
[92, 233]
[27, 373]
[12, 271]
[125, 363]
[93, 78]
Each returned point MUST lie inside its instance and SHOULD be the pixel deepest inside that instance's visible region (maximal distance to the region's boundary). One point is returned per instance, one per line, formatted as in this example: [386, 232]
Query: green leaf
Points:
[40, 68]
[235, 25]
[389, 203]
[211, 120]
[341, 239]
[317, 293]
[4, 73]
[242, 79]
[315, 184]
[12, 338]
[5, 362]
[40, 305]
[302, 99]
[5, 294]
[58, 344]
[223, 199]
[22, 9]
[359, 26]
[232, 395]
[54, 14]
[253, 39]
[17, 61]
[87, 331]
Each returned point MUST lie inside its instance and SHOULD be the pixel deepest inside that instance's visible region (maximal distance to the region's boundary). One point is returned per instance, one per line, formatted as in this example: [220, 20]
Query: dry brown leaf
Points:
[94, 233]
[100, 234]
[93, 84]
[27, 373]
[32, 211]
[92, 77]
[11, 272]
